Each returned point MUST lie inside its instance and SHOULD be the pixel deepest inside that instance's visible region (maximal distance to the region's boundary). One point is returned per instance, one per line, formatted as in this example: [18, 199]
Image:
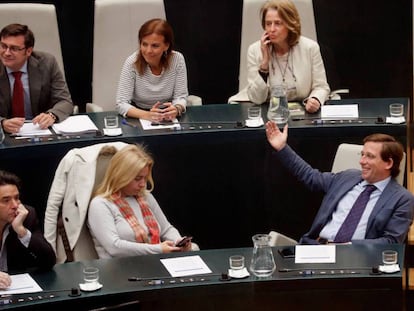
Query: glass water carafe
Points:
[263, 263]
[278, 106]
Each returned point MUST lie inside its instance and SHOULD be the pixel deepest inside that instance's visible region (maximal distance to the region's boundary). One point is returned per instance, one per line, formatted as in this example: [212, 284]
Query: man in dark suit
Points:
[23, 246]
[387, 213]
[46, 98]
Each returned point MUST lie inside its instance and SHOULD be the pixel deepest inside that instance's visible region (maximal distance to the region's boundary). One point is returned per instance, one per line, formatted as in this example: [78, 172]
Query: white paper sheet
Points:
[184, 266]
[75, 125]
[30, 129]
[339, 111]
[22, 283]
[315, 254]
[146, 125]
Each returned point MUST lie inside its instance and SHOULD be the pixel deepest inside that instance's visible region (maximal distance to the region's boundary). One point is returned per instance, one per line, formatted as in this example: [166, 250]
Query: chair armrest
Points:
[91, 107]
[194, 100]
[334, 95]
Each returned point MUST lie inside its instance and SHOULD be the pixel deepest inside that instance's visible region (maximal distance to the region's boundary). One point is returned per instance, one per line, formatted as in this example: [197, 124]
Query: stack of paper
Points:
[30, 129]
[78, 124]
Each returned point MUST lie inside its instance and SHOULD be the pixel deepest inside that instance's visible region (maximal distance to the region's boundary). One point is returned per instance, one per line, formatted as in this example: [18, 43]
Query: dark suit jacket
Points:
[48, 89]
[39, 254]
[390, 219]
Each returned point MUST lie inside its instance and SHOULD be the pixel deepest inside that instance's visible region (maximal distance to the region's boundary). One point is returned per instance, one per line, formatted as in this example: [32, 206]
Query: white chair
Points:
[348, 155]
[41, 19]
[278, 239]
[116, 28]
[252, 31]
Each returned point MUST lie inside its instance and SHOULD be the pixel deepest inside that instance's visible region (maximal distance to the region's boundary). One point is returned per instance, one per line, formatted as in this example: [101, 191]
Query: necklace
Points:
[283, 72]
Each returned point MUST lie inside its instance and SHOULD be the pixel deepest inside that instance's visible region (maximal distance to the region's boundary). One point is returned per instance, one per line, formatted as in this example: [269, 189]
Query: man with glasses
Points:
[32, 87]
[359, 206]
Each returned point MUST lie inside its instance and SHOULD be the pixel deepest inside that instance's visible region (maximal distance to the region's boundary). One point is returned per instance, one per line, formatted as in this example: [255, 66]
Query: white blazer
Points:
[72, 186]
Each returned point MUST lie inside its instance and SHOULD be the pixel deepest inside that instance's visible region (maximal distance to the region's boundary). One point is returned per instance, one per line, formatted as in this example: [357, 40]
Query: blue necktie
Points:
[346, 231]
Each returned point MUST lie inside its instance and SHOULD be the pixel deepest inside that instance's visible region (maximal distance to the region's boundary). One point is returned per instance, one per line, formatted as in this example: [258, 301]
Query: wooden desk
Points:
[214, 180]
[344, 285]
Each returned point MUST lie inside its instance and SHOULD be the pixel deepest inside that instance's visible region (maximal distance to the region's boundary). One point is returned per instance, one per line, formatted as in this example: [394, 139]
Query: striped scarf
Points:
[131, 218]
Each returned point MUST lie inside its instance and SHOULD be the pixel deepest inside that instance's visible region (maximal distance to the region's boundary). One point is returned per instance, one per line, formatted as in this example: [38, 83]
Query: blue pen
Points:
[124, 121]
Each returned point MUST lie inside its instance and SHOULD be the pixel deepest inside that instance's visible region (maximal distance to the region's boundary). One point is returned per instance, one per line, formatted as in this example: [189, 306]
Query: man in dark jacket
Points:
[23, 246]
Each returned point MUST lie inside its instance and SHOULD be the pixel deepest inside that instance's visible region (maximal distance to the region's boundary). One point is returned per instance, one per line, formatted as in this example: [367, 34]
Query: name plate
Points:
[339, 111]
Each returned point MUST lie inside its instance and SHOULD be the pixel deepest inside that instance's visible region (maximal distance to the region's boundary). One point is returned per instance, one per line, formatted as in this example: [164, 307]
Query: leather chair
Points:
[252, 31]
[42, 20]
[348, 156]
[278, 239]
[60, 229]
[77, 177]
[116, 28]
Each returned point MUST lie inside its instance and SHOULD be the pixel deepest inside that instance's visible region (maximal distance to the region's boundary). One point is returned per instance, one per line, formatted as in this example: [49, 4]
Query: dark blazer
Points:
[39, 254]
[390, 219]
[48, 89]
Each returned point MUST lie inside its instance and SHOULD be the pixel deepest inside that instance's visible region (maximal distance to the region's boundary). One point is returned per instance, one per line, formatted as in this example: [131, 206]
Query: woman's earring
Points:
[165, 53]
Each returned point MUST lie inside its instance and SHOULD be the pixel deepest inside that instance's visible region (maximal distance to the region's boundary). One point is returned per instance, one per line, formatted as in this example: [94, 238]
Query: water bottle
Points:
[263, 263]
[278, 111]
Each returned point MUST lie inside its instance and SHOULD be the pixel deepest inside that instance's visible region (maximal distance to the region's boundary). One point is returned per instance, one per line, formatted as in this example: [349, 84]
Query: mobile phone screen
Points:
[184, 241]
[288, 252]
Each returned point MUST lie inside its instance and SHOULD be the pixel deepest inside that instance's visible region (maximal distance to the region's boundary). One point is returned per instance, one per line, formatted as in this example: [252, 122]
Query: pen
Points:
[124, 121]
[22, 137]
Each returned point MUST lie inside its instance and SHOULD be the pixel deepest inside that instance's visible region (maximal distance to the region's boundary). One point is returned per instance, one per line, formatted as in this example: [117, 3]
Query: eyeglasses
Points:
[12, 48]
[368, 155]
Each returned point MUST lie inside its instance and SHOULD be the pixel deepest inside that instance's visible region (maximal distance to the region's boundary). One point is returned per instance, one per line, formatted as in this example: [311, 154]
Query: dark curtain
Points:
[366, 45]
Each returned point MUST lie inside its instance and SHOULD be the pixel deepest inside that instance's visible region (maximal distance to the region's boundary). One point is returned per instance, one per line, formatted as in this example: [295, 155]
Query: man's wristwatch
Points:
[54, 117]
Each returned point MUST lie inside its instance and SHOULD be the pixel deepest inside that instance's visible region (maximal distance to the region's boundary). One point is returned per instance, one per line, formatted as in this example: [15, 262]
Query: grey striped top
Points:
[144, 91]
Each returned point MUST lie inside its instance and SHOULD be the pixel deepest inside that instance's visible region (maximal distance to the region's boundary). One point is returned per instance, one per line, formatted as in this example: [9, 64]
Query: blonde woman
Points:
[124, 218]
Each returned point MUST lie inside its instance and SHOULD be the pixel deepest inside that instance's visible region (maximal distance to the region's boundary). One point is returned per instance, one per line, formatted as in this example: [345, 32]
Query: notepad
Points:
[78, 124]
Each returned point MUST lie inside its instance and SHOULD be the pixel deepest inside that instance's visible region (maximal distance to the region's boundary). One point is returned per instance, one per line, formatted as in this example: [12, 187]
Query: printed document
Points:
[315, 254]
[21, 283]
[184, 266]
[30, 129]
[78, 124]
[340, 111]
[146, 125]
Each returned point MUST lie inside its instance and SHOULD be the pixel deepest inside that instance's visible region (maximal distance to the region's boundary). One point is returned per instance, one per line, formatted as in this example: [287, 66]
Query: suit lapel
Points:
[385, 196]
[35, 84]
[5, 95]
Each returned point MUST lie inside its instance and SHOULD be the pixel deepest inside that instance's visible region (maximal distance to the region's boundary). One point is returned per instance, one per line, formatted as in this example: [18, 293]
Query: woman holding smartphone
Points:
[124, 218]
[283, 57]
[153, 80]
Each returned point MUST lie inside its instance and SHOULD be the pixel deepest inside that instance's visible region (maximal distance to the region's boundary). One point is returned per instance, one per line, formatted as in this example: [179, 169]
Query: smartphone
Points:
[162, 106]
[163, 122]
[287, 252]
[184, 241]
